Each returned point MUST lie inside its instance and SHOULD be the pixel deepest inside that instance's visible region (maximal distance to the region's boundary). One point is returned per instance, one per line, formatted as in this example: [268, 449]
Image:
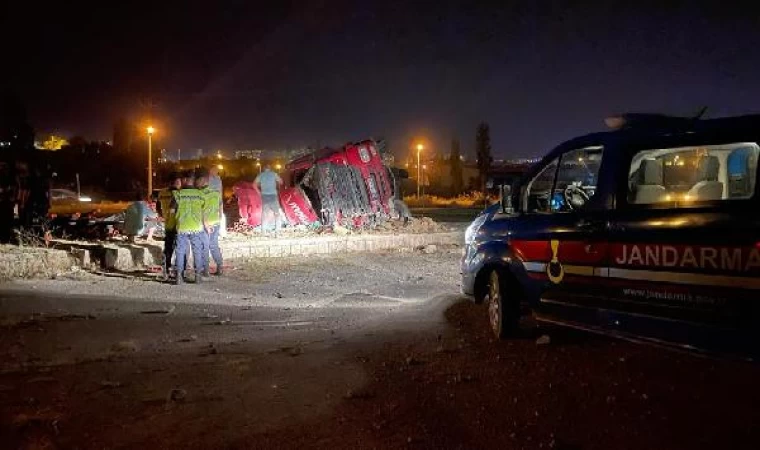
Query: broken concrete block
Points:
[82, 257]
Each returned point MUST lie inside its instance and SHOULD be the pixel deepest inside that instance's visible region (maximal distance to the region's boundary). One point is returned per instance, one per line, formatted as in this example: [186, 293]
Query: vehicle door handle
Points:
[592, 225]
[588, 224]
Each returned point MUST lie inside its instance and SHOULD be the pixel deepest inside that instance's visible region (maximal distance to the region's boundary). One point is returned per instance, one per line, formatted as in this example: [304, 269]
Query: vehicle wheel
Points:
[503, 311]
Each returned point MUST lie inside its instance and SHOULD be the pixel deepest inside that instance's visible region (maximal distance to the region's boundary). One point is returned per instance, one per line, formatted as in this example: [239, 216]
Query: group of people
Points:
[258, 200]
[191, 208]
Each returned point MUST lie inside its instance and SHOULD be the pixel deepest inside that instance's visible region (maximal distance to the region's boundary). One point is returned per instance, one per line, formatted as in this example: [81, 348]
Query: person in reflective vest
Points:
[212, 222]
[164, 205]
[187, 206]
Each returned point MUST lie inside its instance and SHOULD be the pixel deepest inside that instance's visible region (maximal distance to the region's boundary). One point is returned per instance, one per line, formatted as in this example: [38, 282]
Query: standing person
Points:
[215, 183]
[212, 219]
[268, 183]
[249, 201]
[22, 190]
[39, 199]
[8, 194]
[164, 205]
[138, 218]
[201, 184]
[187, 206]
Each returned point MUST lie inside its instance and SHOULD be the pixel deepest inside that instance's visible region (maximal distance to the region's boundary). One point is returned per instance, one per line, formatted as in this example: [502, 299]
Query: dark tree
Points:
[79, 143]
[123, 131]
[14, 125]
[455, 167]
[483, 152]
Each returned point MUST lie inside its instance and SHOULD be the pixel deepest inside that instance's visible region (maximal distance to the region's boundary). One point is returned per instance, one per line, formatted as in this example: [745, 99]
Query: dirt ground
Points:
[361, 351]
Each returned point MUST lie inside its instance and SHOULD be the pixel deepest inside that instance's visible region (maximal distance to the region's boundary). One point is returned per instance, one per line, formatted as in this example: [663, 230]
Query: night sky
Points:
[245, 74]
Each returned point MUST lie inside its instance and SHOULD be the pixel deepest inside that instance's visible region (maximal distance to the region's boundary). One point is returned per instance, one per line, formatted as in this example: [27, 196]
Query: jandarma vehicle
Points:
[651, 230]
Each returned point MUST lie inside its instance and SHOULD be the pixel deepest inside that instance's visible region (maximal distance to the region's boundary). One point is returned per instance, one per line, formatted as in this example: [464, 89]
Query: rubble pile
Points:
[415, 225]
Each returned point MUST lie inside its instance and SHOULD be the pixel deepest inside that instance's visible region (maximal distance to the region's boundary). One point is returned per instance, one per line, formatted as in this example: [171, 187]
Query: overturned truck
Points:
[349, 187]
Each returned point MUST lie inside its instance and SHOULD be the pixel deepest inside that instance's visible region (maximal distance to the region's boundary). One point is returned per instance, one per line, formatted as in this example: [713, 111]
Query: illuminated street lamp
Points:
[278, 167]
[258, 165]
[420, 147]
[150, 130]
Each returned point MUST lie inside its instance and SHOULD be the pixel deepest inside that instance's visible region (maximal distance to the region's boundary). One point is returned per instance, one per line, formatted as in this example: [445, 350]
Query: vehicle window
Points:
[576, 179]
[565, 184]
[540, 188]
[685, 175]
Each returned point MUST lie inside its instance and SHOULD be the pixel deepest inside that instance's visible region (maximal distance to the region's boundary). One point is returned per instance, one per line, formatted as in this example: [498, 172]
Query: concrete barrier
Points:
[32, 262]
[128, 257]
[324, 245]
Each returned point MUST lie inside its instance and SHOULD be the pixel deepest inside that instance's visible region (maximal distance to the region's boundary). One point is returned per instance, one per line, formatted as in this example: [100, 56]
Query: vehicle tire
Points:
[503, 306]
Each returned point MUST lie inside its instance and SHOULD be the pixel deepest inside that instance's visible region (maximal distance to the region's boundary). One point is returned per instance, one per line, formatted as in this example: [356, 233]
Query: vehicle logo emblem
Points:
[554, 269]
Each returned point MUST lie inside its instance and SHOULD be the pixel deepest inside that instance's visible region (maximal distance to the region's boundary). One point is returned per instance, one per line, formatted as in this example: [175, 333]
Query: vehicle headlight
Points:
[472, 230]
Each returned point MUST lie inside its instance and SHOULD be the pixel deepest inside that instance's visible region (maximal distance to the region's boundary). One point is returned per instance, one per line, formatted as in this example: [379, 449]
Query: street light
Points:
[258, 165]
[150, 130]
[278, 167]
[420, 147]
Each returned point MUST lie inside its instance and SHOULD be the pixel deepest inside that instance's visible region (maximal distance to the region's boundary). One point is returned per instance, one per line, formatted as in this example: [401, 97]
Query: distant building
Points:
[248, 154]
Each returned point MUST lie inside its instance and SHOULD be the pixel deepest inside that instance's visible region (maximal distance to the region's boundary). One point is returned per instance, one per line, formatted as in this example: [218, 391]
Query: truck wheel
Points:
[503, 311]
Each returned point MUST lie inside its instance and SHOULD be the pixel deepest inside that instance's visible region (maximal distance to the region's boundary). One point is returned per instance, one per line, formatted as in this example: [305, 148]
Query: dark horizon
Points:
[247, 75]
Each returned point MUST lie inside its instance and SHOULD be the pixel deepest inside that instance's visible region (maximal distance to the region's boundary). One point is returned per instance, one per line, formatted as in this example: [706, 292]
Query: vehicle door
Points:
[684, 240]
[561, 239]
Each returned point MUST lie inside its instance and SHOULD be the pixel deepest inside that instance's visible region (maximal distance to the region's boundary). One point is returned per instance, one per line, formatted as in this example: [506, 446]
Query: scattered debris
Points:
[191, 338]
[41, 380]
[412, 361]
[543, 340]
[341, 231]
[176, 395]
[358, 395]
[428, 249]
[125, 347]
[226, 321]
[166, 311]
[278, 295]
[107, 384]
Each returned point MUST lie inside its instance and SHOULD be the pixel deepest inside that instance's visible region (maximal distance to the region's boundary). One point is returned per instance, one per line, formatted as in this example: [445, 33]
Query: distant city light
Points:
[220, 167]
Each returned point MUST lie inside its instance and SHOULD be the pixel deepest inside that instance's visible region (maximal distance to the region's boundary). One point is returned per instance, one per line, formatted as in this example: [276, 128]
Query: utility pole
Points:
[420, 147]
[150, 161]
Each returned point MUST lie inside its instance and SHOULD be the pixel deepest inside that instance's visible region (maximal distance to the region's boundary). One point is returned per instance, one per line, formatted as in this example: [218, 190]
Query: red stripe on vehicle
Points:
[570, 252]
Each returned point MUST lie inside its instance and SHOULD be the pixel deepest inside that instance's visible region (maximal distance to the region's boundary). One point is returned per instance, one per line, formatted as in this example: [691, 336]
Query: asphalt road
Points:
[359, 351]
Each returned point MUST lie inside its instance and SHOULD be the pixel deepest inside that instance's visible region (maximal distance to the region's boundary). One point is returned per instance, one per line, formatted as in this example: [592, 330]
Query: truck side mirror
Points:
[506, 199]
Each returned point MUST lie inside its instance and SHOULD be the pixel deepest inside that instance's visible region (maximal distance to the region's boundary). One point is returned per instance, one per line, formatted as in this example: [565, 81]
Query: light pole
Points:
[420, 147]
[151, 130]
[424, 168]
